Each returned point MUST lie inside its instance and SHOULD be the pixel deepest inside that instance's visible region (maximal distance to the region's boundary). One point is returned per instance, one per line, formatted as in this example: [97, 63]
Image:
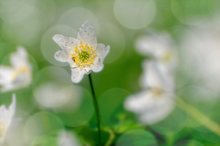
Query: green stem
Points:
[111, 136]
[199, 116]
[96, 106]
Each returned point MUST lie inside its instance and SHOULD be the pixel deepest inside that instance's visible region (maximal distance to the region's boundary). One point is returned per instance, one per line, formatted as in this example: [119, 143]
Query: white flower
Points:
[15, 136]
[51, 95]
[200, 48]
[83, 54]
[160, 46]
[67, 139]
[6, 117]
[156, 76]
[149, 107]
[156, 100]
[18, 74]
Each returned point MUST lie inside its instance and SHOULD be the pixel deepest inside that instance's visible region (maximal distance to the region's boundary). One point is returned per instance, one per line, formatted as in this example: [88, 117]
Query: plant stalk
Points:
[97, 111]
[198, 116]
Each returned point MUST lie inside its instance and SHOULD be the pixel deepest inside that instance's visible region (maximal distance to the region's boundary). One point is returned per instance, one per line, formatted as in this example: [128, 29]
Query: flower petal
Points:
[61, 56]
[6, 117]
[87, 34]
[5, 74]
[159, 111]
[66, 43]
[19, 58]
[154, 44]
[77, 75]
[102, 50]
[150, 108]
[12, 106]
[151, 76]
[98, 65]
[136, 103]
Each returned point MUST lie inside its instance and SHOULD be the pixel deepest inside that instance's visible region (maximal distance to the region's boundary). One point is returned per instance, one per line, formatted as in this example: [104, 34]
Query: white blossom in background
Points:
[15, 135]
[200, 49]
[67, 139]
[19, 74]
[83, 53]
[156, 100]
[53, 96]
[161, 47]
[155, 76]
[6, 117]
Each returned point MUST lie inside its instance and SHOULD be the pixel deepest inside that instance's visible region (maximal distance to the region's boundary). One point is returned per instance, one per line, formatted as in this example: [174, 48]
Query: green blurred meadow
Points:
[118, 23]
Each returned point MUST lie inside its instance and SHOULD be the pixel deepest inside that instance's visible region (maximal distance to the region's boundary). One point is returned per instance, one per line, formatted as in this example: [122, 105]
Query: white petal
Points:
[151, 76]
[159, 111]
[61, 56]
[19, 58]
[149, 108]
[5, 74]
[77, 74]
[102, 50]
[159, 46]
[7, 87]
[155, 77]
[145, 45]
[6, 116]
[137, 103]
[13, 106]
[87, 34]
[98, 65]
[66, 43]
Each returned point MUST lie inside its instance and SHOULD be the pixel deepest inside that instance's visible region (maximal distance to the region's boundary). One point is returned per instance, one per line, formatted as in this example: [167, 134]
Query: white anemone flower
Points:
[17, 75]
[156, 76]
[156, 101]
[6, 117]
[160, 46]
[200, 50]
[83, 53]
[67, 139]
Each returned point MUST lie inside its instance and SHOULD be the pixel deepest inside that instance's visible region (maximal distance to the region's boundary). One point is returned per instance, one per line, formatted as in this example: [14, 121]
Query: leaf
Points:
[136, 137]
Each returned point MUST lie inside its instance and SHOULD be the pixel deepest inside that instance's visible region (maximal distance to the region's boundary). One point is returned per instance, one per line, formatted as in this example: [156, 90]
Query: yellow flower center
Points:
[157, 91]
[167, 57]
[84, 55]
[19, 71]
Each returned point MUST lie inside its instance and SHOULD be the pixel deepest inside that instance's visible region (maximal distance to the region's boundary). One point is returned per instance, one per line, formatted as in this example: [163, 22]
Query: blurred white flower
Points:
[51, 95]
[15, 135]
[200, 48]
[6, 117]
[156, 100]
[18, 75]
[67, 139]
[83, 54]
[160, 46]
[156, 76]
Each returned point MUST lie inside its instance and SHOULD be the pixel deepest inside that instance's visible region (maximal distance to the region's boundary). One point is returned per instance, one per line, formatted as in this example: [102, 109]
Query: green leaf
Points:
[111, 105]
[136, 137]
[45, 141]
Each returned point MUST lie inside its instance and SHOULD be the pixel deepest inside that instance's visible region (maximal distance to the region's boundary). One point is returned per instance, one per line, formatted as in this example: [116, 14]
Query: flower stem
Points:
[96, 106]
[199, 116]
[160, 138]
